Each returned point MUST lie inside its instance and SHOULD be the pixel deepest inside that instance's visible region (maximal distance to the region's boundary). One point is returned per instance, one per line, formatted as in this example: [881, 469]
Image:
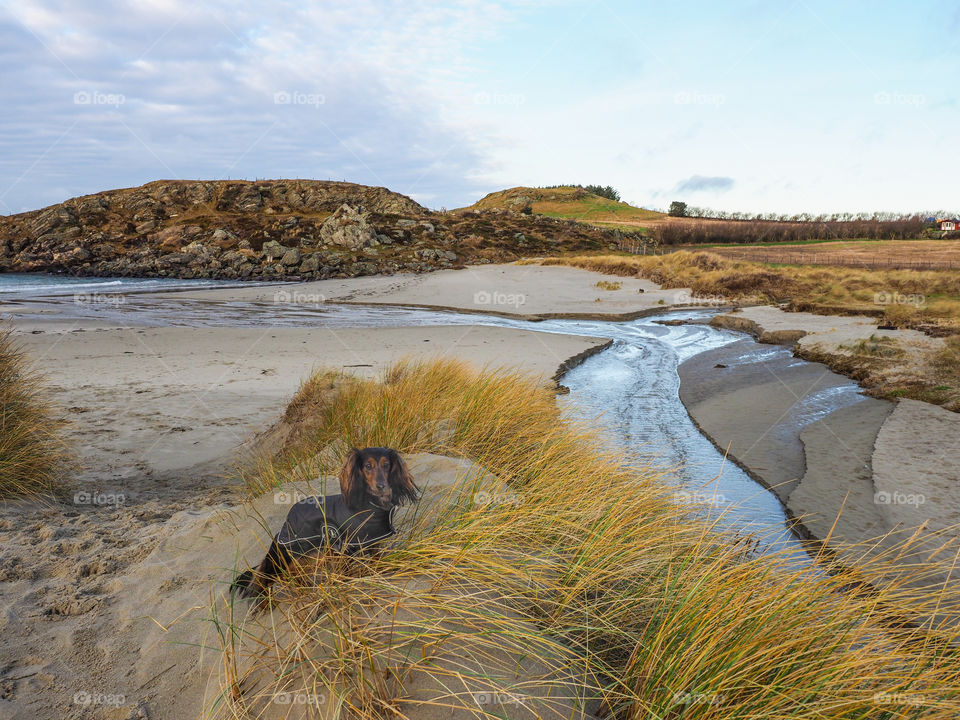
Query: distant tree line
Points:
[604, 191]
[681, 209]
[756, 229]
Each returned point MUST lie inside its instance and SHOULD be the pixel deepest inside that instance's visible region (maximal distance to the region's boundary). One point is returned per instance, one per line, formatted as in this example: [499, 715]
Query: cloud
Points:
[705, 183]
[109, 94]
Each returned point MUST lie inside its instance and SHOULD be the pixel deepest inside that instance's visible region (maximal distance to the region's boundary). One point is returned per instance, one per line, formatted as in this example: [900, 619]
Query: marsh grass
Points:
[32, 453]
[607, 285]
[923, 300]
[593, 589]
[815, 288]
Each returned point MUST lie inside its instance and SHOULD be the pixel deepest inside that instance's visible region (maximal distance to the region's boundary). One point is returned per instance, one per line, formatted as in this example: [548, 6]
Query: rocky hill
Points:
[271, 230]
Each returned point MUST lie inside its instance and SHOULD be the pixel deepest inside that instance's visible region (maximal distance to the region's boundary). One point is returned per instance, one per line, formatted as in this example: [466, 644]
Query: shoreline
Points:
[870, 476]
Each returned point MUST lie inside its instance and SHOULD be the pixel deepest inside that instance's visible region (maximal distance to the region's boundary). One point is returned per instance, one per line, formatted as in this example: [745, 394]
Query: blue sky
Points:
[753, 106]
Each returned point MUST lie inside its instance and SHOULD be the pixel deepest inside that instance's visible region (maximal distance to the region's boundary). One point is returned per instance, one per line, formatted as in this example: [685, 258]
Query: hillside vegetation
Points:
[570, 203]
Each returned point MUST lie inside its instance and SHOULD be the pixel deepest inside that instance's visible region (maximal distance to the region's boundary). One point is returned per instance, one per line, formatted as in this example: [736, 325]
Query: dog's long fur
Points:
[373, 481]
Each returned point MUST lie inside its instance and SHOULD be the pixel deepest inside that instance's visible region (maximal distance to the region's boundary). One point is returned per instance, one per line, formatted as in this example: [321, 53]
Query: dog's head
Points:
[377, 476]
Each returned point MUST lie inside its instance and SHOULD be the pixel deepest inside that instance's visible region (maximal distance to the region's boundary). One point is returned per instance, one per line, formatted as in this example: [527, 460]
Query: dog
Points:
[374, 481]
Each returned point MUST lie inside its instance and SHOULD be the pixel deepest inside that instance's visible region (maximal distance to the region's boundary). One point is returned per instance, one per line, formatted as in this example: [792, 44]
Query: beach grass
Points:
[32, 454]
[584, 585]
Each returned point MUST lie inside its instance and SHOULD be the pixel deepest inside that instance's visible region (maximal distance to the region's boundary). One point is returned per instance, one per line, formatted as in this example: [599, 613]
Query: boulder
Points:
[290, 257]
[311, 263]
[349, 228]
[272, 249]
[198, 248]
[221, 235]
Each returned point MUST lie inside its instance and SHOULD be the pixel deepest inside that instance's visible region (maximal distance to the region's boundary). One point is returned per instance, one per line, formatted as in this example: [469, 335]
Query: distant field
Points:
[907, 254]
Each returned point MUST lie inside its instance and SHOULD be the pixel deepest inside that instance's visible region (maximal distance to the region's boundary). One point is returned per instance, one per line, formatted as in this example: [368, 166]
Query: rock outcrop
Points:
[270, 230]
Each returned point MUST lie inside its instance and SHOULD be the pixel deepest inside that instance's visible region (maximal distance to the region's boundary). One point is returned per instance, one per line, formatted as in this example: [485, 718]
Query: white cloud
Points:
[200, 89]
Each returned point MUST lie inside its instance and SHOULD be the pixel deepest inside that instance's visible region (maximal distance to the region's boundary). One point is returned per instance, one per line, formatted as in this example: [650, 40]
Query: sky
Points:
[805, 106]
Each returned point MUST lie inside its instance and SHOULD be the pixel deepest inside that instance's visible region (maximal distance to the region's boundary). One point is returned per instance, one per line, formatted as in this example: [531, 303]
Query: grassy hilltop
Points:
[569, 203]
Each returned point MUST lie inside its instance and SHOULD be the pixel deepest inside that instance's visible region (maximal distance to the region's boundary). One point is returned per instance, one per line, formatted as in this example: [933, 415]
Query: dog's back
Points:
[316, 524]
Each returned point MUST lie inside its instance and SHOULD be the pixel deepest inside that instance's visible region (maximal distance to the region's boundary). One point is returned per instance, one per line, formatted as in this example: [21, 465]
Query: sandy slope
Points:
[91, 590]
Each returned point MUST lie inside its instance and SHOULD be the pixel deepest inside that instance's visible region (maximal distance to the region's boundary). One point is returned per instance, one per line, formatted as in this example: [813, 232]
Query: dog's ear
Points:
[401, 481]
[352, 486]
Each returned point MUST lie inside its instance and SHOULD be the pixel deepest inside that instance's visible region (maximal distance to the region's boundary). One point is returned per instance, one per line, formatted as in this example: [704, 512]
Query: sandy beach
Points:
[158, 416]
[875, 469]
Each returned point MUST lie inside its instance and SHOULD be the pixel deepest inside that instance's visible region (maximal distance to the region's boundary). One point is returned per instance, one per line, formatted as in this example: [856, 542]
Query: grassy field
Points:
[570, 203]
[31, 452]
[929, 254]
[594, 585]
[925, 300]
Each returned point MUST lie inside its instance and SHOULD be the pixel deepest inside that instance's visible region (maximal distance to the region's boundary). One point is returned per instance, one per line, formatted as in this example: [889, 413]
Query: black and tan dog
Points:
[374, 481]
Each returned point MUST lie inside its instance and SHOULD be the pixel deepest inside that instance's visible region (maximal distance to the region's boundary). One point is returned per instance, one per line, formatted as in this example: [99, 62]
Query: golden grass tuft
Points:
[592, 588]
[31, 452]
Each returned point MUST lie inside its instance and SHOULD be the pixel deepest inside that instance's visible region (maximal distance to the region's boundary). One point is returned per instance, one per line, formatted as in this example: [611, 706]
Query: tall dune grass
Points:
[31, 452]
[591, 591]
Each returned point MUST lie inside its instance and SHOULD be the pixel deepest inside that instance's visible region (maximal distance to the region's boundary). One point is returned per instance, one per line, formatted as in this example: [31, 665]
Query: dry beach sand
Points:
[107, 600]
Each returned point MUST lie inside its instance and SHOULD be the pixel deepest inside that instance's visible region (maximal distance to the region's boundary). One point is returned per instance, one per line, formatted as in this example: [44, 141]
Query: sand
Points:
[867, 477]
[522, 290]
[147, 648]
[102, 597]
[150, 405]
